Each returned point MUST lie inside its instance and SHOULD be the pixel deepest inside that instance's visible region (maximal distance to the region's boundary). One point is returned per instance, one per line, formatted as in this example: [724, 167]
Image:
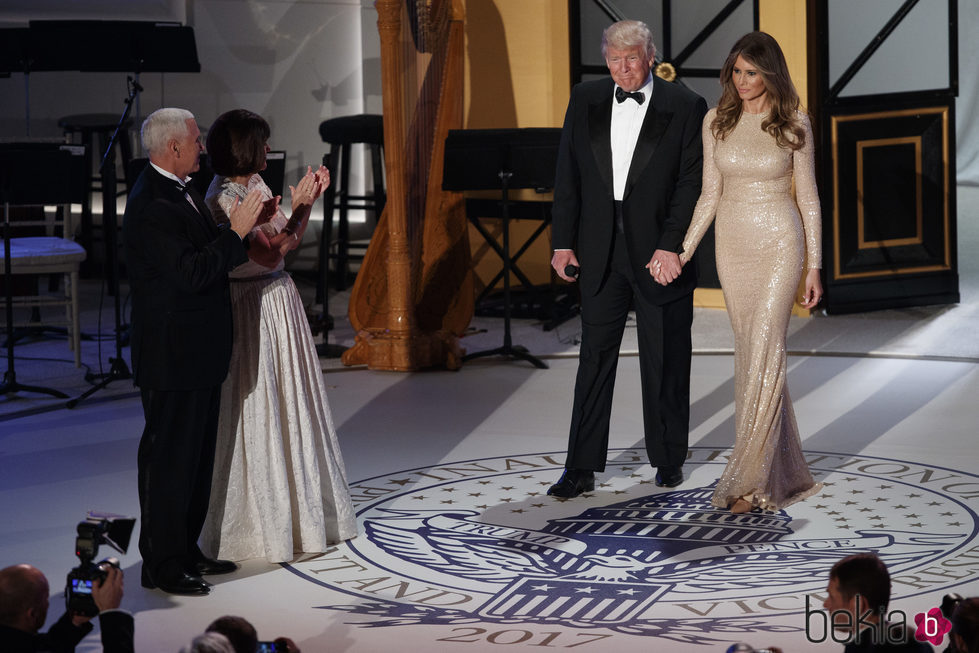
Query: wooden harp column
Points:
[413, 296]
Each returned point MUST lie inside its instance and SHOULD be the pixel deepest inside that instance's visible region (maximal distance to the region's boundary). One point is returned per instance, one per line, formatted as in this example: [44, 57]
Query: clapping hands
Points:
[310, 187]
[244, 213]
[269, 208]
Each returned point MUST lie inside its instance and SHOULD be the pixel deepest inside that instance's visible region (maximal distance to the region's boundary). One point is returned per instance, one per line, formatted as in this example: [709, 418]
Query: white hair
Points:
[209, 642]
[627, 34]
[162, 125]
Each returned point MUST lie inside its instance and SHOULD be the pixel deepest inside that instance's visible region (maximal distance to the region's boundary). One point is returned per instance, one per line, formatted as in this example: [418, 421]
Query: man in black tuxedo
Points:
[178, 261]
[628, 178]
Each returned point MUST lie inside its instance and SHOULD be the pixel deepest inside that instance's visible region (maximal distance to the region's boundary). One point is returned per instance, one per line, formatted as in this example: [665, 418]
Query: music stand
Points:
[490, 159]
[26, 171]
[137, 46]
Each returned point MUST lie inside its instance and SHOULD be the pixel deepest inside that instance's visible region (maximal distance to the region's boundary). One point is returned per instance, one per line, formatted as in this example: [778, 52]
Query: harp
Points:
[413, 296]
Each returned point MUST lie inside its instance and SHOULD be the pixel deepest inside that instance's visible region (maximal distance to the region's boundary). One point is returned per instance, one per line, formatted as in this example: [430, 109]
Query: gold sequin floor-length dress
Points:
[762, 240]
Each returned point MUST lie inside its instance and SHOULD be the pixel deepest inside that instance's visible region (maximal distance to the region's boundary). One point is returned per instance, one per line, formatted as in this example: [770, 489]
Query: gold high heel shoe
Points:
[740, 506]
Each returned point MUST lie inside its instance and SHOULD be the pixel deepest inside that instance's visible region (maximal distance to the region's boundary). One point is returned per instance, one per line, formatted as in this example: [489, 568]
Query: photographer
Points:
[964, 637]
[244, 638]
[24, 595]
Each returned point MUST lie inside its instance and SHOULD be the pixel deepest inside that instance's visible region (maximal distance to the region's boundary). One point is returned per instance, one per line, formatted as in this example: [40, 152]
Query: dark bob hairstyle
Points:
[236, 143]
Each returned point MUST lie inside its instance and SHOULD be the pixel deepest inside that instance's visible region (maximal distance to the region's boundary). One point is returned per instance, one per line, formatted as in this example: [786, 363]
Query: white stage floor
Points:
[460, 549]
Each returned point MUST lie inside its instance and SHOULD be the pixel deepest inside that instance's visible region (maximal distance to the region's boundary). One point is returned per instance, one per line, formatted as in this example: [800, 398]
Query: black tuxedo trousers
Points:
[664, 363]
[175, 463]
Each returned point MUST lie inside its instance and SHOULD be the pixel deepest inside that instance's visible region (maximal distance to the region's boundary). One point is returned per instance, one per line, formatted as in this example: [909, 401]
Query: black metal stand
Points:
[508, 349]
[483, 159]
[118, 370]
[325, 349]
[552, 304]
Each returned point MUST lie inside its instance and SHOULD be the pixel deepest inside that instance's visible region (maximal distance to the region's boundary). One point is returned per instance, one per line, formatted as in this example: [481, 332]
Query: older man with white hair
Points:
[628, 177]
[178, 261]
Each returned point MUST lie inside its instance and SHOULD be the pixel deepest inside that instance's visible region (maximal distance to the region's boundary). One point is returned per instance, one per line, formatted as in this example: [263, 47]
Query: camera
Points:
[949, 601]
[272, 647]
[98, 528]
[81, 579]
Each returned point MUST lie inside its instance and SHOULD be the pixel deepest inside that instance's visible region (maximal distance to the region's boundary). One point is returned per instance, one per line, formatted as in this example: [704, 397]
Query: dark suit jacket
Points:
[178, 262]
[660, 193]
[118, 632]
[64, 636]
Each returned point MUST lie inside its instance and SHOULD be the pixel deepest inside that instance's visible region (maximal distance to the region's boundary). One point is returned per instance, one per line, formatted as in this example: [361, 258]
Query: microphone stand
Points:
[118, 370]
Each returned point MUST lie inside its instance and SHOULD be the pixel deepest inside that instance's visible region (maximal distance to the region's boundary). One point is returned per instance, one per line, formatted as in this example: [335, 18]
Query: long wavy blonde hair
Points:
[763, 52]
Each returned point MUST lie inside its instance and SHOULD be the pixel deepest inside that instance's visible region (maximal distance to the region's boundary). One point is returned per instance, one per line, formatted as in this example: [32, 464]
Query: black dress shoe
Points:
[180, 583]
[573, 482]
[669, 476]
[207, 566]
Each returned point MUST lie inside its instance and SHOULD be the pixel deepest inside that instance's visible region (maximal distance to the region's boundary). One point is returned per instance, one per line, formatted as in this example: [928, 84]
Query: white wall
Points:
[967, 103]
[904, 62]
[296, 62]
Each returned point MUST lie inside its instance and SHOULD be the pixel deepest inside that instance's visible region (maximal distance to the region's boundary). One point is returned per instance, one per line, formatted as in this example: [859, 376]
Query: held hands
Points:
[814, 289]
[664, 267]
[563, 258]
[310, 187]
[244, 213]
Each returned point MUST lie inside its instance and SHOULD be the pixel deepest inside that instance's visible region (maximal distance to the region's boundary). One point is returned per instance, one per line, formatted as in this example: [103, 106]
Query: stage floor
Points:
[461, 550]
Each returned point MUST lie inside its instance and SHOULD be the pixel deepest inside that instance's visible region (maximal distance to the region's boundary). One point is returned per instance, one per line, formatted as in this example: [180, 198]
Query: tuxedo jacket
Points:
[660, 192]
[178, 262]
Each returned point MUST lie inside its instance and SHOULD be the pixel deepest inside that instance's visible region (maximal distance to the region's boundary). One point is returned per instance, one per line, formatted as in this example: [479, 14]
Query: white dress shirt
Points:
[627, 120]
[182, 182]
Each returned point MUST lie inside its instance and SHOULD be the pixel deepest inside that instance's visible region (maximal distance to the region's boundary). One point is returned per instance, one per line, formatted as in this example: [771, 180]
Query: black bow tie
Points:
[621, 95]
[188, 191]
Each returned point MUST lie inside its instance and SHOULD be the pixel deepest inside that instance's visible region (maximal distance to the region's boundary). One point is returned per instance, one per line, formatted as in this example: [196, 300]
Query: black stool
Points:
[342, 134]
[86, 126]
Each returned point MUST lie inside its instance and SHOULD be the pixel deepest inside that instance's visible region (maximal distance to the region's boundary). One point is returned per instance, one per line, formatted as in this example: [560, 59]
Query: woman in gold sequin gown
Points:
[755, 142]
